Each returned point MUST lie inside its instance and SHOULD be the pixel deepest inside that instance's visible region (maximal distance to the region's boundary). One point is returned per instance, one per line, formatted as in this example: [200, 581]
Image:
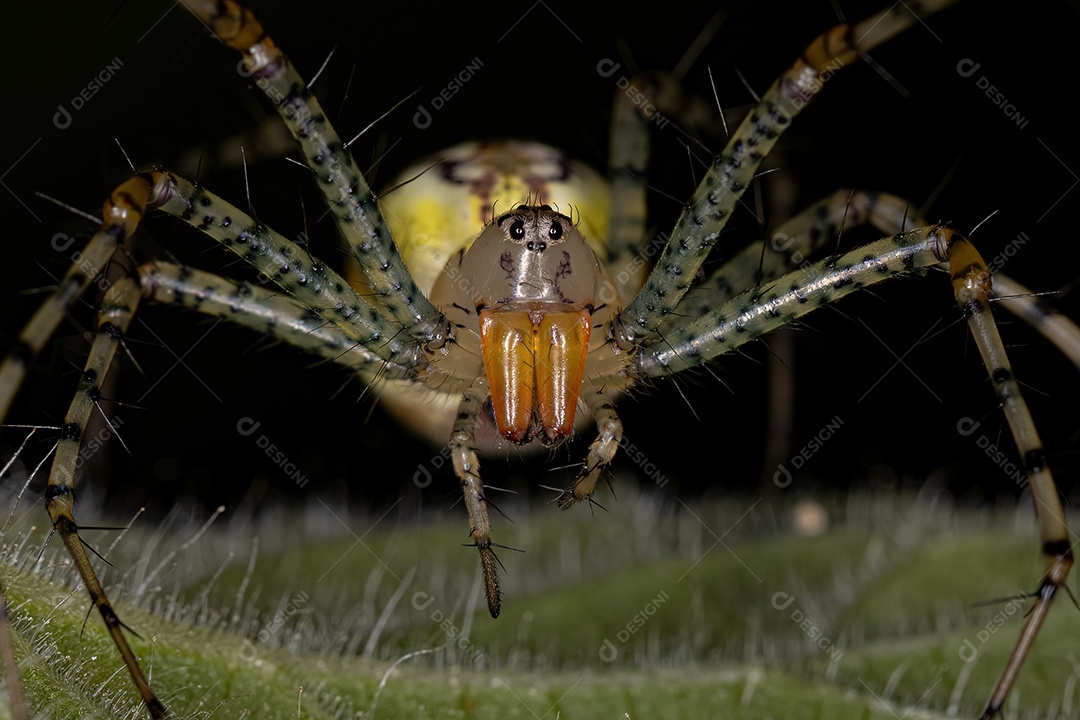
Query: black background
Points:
[178, 92]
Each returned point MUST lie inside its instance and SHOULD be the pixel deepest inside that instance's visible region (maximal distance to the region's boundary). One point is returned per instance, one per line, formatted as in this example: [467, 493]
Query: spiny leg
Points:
[116, 312]
[310, 281]
[971, 285]
[284, 262]
[272, 315]
[644, 100]
[628, 156]
[811, 229]
[601, 451]
[891, 214]
[761, 310]
[817, 226]
[347, 194]
[791, 244]
[327, 294]
[658, 100]
[467, 469]
[120, 216]
[755, 312]
[698, 227]
[266, 312]
[1055, 327]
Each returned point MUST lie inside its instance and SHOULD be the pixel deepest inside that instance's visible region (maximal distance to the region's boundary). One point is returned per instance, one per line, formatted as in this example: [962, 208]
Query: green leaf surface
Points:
[649, 611]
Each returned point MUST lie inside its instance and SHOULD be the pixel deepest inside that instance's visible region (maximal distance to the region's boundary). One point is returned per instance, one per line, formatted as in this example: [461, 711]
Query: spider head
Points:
[524, 293]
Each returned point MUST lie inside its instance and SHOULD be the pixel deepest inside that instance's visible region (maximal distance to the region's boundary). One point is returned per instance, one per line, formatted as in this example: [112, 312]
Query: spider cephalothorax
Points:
[524, 299]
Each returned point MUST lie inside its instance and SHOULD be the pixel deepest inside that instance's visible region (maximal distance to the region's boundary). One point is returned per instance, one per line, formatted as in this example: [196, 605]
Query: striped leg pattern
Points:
[667, 323]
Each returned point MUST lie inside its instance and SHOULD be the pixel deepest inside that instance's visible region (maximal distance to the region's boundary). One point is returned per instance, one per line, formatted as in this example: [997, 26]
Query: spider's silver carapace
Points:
[523, 325]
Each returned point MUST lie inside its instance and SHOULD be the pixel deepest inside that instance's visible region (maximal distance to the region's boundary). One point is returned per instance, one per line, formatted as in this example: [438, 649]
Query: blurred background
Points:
[176, 97]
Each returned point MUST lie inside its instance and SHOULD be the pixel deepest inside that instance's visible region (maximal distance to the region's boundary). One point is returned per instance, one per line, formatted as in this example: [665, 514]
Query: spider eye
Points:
[555, 231]
[517, 230]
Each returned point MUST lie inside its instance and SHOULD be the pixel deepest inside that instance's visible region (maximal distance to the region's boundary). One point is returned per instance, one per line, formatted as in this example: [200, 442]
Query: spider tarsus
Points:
[157, 709]
[489, 562]
[568, 498]
[583, 488]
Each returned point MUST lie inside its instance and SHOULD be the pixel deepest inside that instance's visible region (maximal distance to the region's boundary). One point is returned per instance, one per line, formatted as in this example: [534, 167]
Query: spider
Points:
[568, 227]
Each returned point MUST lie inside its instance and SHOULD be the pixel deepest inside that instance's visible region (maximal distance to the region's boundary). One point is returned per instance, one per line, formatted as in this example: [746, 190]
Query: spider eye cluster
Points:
[531, 255]
[534, 227]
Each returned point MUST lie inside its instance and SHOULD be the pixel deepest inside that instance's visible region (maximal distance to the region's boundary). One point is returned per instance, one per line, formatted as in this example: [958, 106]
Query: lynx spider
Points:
[1049, 537]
